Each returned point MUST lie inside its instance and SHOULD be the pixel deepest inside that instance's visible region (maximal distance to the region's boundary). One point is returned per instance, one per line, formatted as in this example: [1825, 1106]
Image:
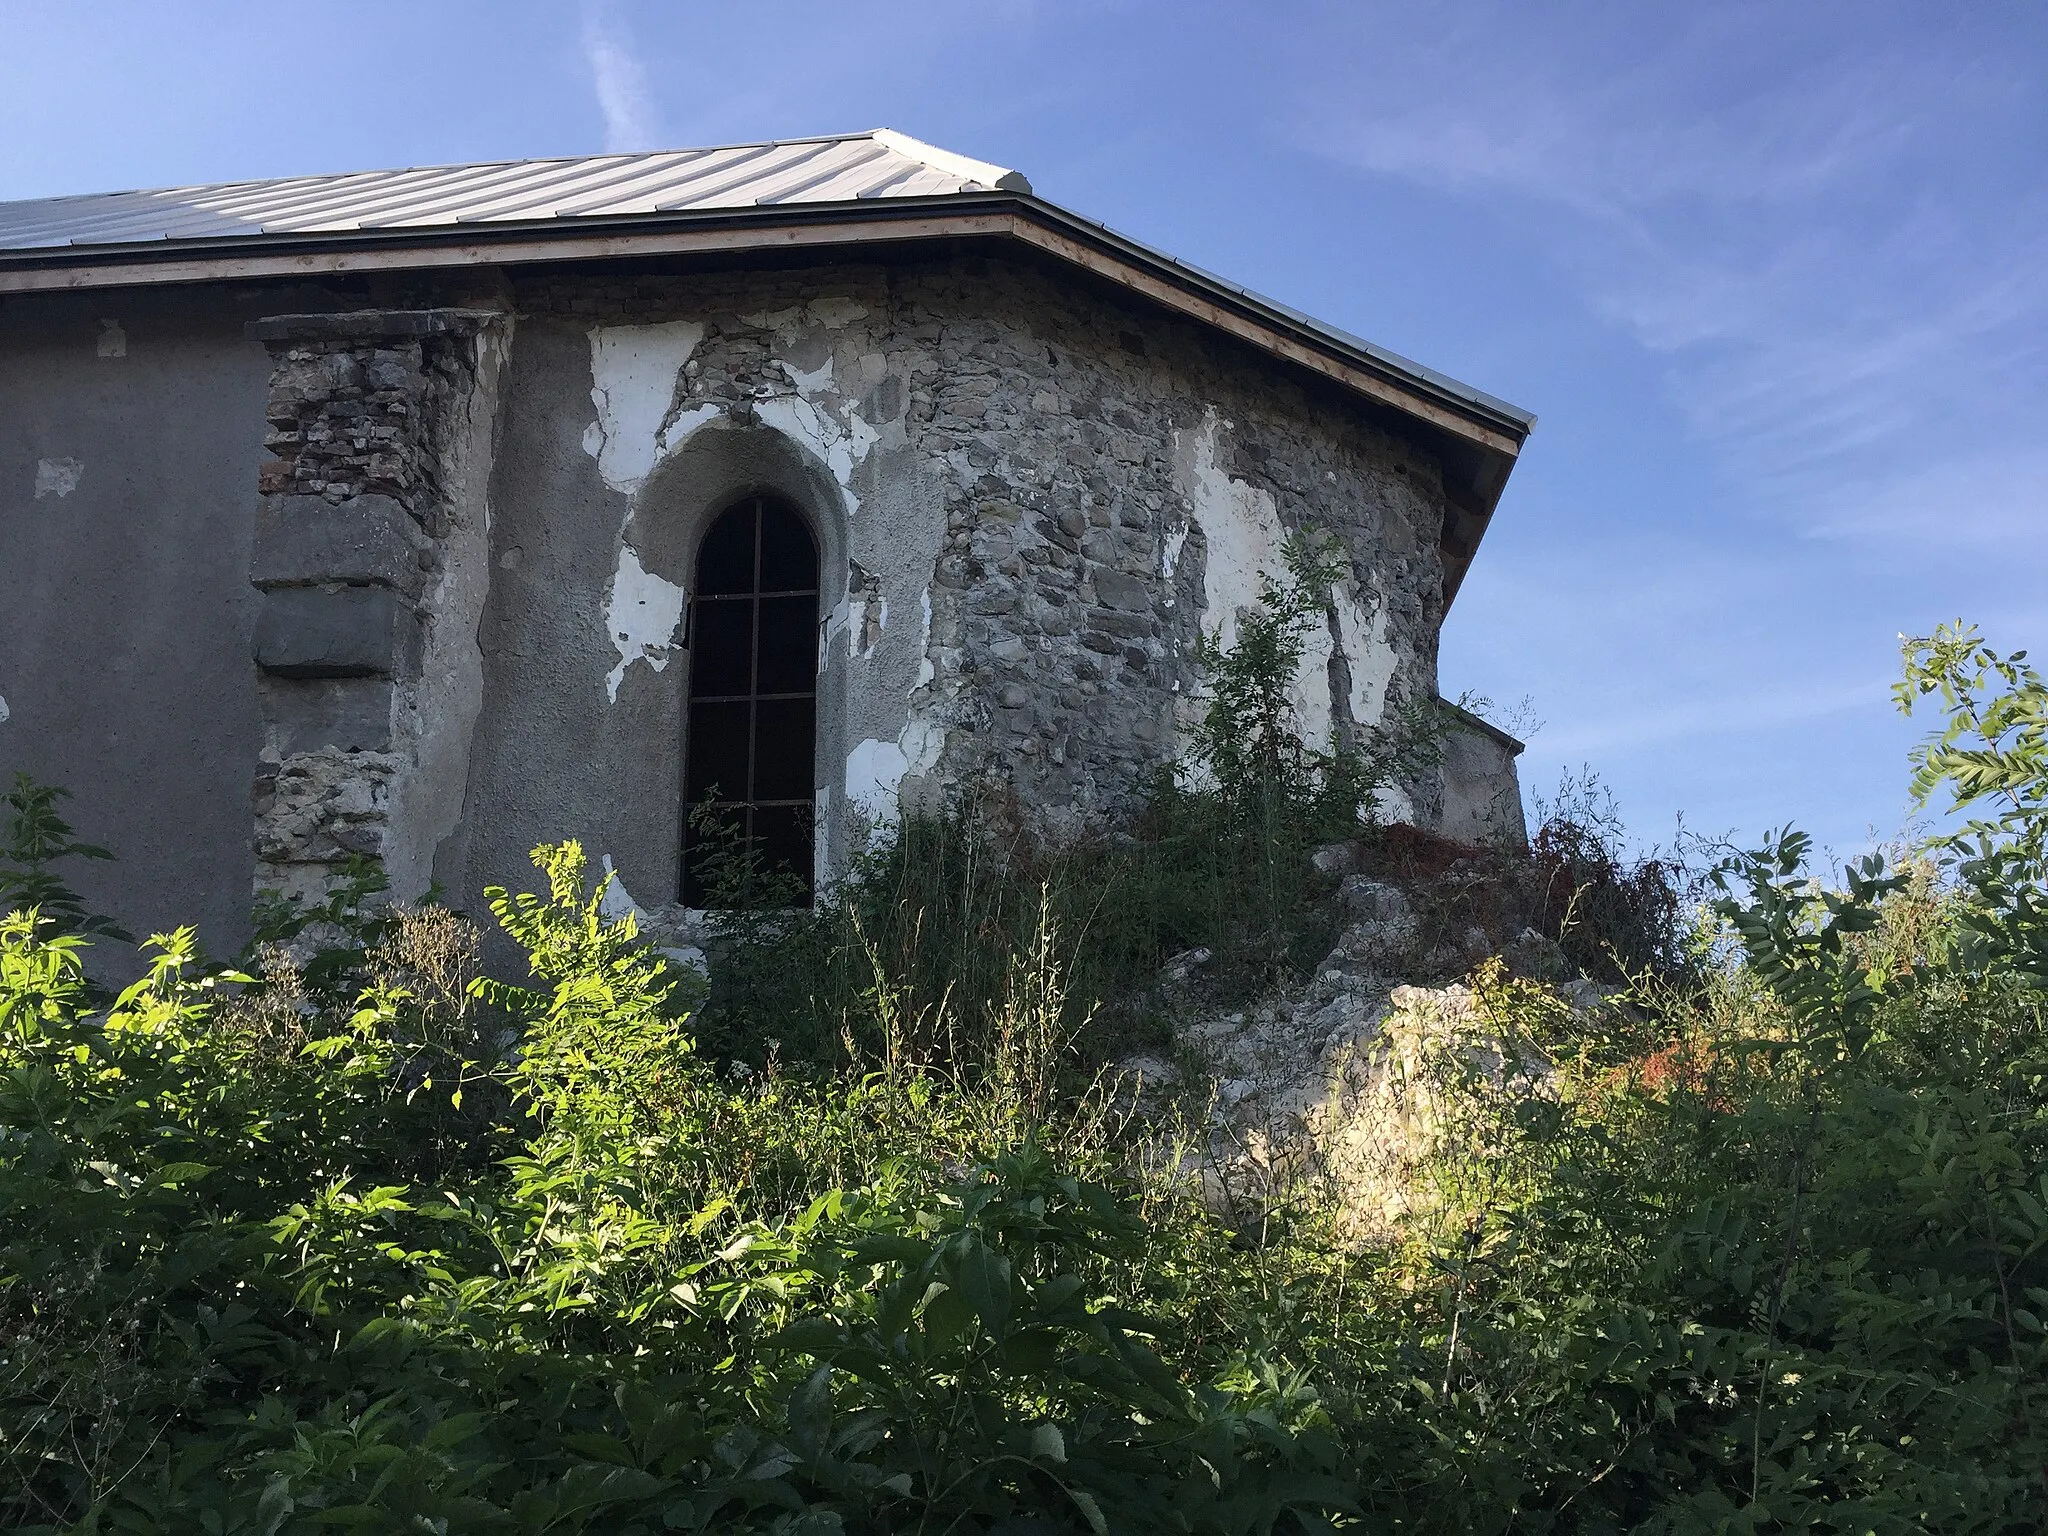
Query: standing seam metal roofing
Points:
[846, 167]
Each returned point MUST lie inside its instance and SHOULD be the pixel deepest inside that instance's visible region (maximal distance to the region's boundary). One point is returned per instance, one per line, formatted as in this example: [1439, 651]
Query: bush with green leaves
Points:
[281, 1257]
[355, 1237]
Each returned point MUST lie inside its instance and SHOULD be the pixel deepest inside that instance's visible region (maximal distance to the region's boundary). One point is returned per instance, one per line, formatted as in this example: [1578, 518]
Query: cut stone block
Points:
[350, 714]
[366, 540]
[338, 632]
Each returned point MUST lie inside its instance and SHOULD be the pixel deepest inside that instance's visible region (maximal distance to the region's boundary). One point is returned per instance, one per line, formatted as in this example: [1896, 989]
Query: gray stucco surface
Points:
[125, 604]
[552, 756]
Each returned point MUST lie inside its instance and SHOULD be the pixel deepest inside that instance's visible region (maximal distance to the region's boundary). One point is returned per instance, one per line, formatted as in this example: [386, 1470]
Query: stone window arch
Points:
[752, 714]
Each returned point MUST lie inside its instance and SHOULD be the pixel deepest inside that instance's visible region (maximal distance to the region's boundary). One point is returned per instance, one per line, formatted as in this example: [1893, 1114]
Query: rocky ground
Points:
[1335, 1081]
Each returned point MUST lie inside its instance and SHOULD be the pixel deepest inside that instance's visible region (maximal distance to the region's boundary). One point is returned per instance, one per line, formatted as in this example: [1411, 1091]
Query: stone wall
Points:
[1032, 501]
[470, 555]
[370, 554]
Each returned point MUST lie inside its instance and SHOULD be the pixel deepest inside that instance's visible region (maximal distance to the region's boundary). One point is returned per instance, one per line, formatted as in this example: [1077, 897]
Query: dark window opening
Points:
[753, 702]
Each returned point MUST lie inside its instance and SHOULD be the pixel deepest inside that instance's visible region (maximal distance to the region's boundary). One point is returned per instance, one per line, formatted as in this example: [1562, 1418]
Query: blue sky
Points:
[1774, 277]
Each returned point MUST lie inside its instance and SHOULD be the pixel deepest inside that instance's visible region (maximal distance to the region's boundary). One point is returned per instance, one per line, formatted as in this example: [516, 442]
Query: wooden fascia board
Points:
[329, 258]
[1268, 337]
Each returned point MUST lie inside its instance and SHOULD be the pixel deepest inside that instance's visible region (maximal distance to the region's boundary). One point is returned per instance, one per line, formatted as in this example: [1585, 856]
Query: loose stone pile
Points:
[1335, 1084]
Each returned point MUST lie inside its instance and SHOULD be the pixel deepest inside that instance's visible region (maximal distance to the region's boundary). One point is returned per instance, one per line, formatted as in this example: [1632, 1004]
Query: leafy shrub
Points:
[351, 1237]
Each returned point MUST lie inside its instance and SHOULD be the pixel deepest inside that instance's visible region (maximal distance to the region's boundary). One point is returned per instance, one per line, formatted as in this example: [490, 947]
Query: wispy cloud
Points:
[630, 119]
[1794, 217]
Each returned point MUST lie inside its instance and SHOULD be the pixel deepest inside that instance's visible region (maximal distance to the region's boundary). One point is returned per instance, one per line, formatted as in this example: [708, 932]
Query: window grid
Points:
[775, 536]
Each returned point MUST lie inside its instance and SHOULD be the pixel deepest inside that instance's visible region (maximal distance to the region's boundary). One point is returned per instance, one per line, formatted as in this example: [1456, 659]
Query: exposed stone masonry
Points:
[360, 514]
[1095, 465]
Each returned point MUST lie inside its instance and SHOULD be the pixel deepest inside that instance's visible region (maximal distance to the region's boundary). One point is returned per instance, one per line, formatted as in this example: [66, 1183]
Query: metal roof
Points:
[844, 168]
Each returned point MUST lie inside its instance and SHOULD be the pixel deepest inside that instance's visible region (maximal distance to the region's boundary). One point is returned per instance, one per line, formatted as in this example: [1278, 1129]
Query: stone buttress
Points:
[371, 554]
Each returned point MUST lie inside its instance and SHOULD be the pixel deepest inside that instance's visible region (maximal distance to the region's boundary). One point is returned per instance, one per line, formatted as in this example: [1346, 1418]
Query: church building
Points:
[432, 514]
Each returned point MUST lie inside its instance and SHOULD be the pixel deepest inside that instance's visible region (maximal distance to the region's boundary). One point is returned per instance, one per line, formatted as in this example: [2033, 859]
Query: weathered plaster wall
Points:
[130, 434]
[1030, 501]
[1479, 788]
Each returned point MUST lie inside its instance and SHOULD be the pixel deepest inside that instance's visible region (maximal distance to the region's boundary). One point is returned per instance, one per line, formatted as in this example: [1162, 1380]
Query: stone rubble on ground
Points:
[1330, 1081]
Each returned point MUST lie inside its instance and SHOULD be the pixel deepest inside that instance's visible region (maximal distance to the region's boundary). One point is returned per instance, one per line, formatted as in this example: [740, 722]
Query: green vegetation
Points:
[1220, 864]
[355, 1238]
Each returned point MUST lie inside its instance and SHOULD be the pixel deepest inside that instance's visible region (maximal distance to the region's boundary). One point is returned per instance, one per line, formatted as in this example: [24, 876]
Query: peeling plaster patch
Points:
[816, 381]
[679, 431]
[633, 371]
[641, 614]
[113, 340]
[1169, 552]
[838, 436]
[689, 957]
[1241, 525]
[617, 902]
[875, 770]
[867, 618]
[1169, 556]
[834, 312]
[925, 671]
[57, 477]
[1371, 658]
[3, 711]
[773, 319]
[1309, 693]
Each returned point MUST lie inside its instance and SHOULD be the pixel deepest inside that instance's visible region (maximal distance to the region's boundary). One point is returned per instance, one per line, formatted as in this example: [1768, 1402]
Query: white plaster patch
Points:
[685, 426]
[641, 614]
[616, 903]
[3, 711]
[1371, 658]
[808, 382]
[1170, 551]
[1310, 691]
[874, 773]
[816, 418]
[1245, 538]
[688, 957]
[633, 371]
[113, 341]
[773, 319]
[57, 477]
[867, 618]
[1240, 523]
[925, 671]
[875, 770]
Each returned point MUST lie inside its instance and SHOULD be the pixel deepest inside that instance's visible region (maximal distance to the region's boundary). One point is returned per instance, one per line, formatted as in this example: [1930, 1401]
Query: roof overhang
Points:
[1478, 437]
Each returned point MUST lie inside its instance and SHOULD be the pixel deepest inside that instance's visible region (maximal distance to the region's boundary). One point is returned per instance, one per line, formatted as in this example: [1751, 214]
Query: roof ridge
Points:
[994, 177]
[997, 178]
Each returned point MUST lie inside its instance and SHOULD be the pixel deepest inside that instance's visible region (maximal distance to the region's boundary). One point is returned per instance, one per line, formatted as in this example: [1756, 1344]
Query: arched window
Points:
[753, 696]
